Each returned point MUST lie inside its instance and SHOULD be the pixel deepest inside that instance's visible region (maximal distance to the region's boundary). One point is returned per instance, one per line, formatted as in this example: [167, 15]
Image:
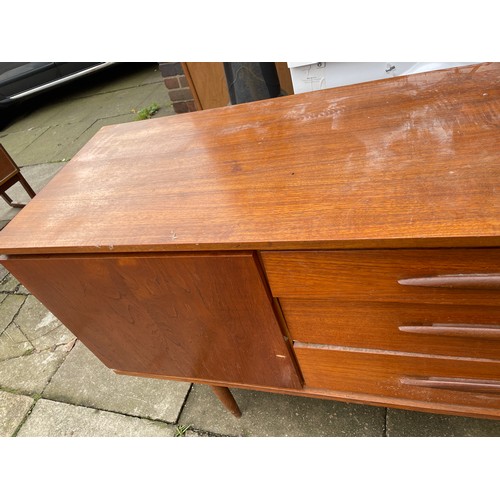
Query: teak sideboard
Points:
[340, 244]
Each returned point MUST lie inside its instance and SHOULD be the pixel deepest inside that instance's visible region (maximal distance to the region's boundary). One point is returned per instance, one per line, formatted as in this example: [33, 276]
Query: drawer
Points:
[432, 380]
[448, 330]
[445, 276]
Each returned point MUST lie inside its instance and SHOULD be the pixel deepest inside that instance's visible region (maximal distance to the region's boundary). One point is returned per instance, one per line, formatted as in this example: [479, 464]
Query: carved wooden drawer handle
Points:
[455, 384]
[475, 331]
[481, 281]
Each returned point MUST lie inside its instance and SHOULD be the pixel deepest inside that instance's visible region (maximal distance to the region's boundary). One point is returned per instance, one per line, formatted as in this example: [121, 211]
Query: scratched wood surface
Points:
[410, 161]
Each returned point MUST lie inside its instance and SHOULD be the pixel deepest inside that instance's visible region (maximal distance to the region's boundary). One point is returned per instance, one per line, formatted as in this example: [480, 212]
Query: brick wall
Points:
[177, 86]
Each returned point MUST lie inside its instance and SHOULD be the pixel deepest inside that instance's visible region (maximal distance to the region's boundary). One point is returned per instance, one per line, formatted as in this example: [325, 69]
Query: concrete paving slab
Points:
[107, 104]
[37, 176]
[21, 290]
[85, 109]
[158, 95]
[84, 380]
[16, 142]
[30, 374]
[123, 102]
[3, 272]
[48, 148]
[70, 129]
[40, 326]
[9, 308]
[37, 115]
[6, 215]
[13, 343]
[8, 284]
[46, 111]
[13, 410]
[71, 105]
[165, 110]
[71, 111]
[403, 423]
[153, 76]
[265, 414]
[71, 149]
[55, 419]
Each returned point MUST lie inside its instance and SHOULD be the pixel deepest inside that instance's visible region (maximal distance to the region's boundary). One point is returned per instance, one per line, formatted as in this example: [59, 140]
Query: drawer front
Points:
[430, 380]
[448, 330]
[436, 276]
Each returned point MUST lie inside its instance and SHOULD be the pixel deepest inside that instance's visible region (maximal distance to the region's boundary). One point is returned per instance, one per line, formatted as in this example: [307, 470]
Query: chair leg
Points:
[26, 186]
[18, 178]
[227, 399]
[8, 199]
[11, 174]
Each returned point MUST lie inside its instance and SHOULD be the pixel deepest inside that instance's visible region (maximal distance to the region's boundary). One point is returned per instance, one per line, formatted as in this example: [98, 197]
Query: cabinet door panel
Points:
[205, 317]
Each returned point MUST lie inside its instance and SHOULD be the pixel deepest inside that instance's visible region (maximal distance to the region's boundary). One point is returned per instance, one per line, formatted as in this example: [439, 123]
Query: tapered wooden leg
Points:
[227, 399]
[26, 186]
[17, 178]
[8, 199]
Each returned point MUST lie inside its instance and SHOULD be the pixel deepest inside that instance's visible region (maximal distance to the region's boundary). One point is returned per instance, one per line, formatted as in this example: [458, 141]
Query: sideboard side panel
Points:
[190, 316]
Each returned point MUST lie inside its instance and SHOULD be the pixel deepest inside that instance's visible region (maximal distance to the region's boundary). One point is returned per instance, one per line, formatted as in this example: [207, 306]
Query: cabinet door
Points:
[188, 316]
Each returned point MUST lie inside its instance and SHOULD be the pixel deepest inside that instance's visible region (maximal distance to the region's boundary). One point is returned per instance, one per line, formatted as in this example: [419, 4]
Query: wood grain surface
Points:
[376, 275]
[410, 161]
[207, 82]
[466, 331]
[403, 376]
[187, 316]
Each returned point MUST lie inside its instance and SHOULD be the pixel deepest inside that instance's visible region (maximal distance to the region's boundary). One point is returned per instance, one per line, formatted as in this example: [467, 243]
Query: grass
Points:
[180, 430]
[146, 113]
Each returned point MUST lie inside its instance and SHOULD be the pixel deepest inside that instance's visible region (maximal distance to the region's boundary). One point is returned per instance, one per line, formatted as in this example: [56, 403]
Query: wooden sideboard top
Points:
[407, 161]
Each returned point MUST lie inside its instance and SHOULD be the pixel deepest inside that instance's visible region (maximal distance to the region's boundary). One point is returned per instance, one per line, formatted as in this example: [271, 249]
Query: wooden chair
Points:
[9, 175]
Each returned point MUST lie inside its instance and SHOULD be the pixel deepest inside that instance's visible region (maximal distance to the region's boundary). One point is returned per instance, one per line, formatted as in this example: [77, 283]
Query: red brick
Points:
[180, 95]
[180, 107]
[172, 82]
[191, 106]
[171, 69]
[183, 81]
